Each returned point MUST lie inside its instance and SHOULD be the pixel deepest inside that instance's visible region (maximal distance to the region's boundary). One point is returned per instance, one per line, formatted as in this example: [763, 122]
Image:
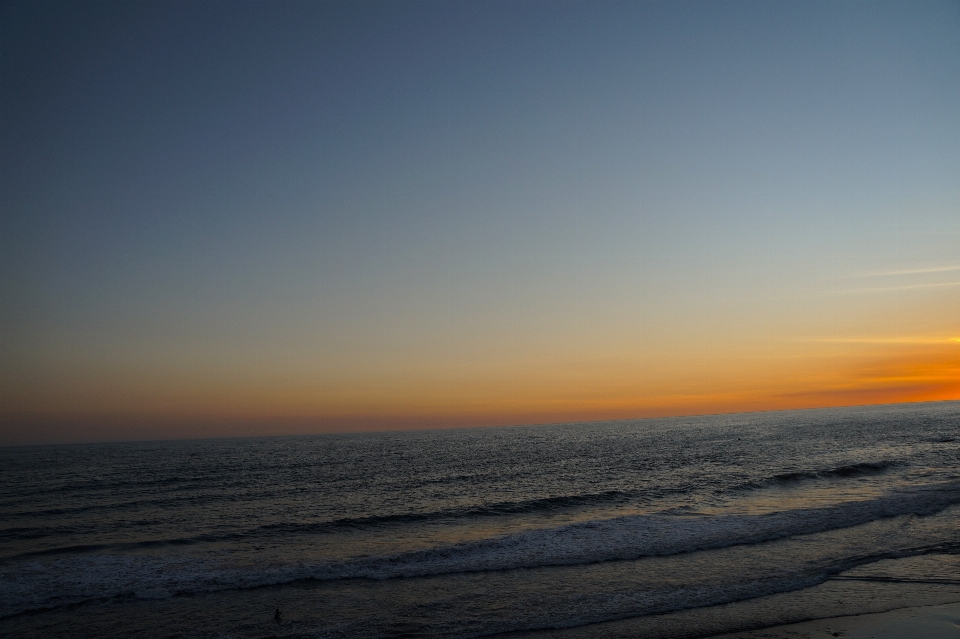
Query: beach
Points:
[908, 597]
[926, 622]
[479, 320]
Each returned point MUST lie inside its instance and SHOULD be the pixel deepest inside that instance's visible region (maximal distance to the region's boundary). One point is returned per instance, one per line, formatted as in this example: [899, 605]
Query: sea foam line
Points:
[26, 585]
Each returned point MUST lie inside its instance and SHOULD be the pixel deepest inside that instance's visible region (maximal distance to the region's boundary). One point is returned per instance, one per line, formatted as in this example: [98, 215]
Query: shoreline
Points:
[939, 621]
[888, 601]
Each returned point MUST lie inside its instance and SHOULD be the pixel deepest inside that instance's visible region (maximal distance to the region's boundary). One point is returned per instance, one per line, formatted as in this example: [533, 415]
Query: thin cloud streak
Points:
[869, 289]
[880, 289]
[881, 340]
[913, 271]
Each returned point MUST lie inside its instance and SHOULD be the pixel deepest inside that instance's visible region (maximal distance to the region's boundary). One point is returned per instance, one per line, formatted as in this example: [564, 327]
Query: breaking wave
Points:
[55, 582]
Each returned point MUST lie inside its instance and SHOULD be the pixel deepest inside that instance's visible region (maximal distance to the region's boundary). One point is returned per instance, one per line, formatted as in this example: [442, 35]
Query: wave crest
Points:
[36, 584]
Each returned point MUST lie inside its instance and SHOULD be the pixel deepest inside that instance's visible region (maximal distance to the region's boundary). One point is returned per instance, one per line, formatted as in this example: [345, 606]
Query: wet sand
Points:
[907, 607]
[925, 622]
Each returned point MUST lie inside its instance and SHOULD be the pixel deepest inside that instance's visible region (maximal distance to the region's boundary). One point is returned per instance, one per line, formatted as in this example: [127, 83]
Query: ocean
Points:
[678, 527]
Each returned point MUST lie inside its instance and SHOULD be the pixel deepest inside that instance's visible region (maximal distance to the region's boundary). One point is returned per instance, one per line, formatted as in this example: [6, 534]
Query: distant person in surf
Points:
[276, 615]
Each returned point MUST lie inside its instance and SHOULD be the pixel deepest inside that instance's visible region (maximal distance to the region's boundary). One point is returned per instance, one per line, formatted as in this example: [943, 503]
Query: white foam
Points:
[26, 585]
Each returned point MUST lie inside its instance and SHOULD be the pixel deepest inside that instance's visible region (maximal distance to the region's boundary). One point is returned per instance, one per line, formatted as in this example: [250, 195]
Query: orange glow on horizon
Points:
[832, 374]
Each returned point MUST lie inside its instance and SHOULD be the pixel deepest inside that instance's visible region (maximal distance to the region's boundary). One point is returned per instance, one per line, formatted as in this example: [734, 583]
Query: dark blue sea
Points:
[680, 527]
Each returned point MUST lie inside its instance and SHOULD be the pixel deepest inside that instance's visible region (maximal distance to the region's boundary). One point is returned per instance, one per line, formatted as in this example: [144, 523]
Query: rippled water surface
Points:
[475, 532]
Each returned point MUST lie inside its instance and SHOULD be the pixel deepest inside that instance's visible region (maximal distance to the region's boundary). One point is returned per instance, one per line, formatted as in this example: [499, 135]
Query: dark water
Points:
[469, 533]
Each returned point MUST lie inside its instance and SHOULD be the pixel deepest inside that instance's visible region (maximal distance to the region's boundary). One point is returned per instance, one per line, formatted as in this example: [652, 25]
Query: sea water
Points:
[674, 527]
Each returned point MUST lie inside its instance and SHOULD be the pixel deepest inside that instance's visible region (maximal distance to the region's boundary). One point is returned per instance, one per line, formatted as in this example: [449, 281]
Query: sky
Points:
[252, 218]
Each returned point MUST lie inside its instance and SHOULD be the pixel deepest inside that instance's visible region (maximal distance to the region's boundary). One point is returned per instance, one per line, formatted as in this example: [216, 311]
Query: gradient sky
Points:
[226, 218]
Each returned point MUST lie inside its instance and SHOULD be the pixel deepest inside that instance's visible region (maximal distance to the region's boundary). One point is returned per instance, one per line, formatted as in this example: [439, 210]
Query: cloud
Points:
[862, 290]
[934, 376]
[911, 271]
[886, 289]
[882, 340]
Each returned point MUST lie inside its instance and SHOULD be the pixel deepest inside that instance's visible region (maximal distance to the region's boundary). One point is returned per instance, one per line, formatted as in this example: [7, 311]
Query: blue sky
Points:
[433, 209]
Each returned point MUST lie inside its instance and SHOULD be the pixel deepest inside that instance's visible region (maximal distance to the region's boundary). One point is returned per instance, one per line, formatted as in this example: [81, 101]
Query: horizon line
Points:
[453, 426]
